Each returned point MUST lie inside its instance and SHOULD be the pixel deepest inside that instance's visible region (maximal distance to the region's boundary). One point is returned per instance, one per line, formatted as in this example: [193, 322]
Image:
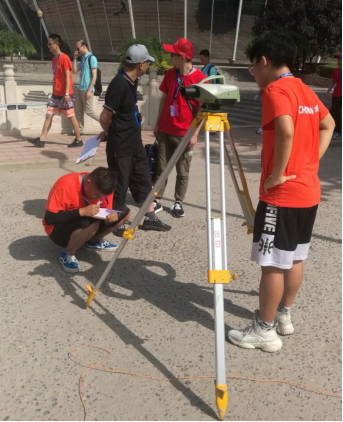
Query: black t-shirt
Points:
[124, 135]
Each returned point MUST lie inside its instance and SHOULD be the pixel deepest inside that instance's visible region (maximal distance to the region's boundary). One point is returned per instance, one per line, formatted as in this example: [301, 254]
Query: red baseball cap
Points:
[338, 56]
[182, 46]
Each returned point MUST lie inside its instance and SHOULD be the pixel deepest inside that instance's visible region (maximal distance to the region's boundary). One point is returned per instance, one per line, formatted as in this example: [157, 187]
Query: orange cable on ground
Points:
[104, 368]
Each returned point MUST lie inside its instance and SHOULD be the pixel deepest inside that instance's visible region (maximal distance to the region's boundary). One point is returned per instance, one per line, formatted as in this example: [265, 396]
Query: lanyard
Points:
[84, 195]
[54, 70]
[284, 75]
[131, 86]
[178, 80]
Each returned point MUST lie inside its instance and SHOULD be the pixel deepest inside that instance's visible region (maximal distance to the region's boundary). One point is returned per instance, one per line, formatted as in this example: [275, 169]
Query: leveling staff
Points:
[72, 203]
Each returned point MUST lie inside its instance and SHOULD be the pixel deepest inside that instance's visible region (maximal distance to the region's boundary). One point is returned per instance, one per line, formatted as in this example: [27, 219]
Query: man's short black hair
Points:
[276, 46]
[104, 179]
[205, 53]
[56, 38]
[84, 43]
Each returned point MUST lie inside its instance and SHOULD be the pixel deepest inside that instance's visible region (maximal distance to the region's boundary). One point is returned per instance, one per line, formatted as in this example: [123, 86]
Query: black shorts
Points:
[132, 172]
[282, 235]
[61, 232]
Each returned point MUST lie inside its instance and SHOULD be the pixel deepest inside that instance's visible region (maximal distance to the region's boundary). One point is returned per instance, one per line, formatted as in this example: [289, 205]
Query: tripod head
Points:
[212, 96]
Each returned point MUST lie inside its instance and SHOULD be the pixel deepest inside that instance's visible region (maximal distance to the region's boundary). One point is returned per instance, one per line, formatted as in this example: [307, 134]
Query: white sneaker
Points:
[255, 337]
[284, 323]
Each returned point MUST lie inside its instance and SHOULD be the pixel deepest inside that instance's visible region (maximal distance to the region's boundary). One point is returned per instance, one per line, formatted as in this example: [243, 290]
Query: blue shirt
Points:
[205, 70]
[86, 74]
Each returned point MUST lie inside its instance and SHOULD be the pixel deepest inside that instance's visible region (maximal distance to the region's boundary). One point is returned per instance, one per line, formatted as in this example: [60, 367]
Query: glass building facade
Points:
[106, 23]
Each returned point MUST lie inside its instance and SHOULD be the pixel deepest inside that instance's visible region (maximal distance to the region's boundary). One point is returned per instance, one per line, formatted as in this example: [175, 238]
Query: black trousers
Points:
[336, 113]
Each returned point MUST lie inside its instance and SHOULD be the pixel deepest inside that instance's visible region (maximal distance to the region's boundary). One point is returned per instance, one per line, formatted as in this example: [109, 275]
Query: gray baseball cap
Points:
[138, 53]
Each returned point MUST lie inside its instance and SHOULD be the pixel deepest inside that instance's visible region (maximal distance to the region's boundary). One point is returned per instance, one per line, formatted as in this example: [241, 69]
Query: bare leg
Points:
[46, 126]
[293, 279]
[101, 233]
[80, 236]
[76, 128]
[271, 291]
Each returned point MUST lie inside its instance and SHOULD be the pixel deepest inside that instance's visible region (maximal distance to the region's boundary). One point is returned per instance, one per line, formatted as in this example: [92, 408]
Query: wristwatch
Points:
[67, 93]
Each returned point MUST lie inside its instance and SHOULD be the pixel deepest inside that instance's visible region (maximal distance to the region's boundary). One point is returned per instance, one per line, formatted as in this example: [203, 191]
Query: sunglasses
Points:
[251, 67]
[175, 54]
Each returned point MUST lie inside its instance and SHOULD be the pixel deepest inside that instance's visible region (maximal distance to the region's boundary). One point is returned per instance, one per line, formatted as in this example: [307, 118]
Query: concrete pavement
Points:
[155, 313]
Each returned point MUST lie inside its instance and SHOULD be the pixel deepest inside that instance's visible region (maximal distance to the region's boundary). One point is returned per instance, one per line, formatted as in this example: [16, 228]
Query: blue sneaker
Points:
[336, 135]
[69, 262]
[103, 245]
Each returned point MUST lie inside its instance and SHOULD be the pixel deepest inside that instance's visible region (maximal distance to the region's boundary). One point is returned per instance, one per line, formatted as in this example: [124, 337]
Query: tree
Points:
[315, 26]
[13, 43]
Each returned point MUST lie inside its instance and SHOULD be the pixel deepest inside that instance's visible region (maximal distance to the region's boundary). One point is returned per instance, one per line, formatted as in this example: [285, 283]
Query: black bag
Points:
[97, 85]
[151, 154]
[208, 72]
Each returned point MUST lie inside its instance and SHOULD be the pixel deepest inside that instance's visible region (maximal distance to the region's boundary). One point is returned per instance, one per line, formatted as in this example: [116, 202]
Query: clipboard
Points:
[104, 212]
[89, 149]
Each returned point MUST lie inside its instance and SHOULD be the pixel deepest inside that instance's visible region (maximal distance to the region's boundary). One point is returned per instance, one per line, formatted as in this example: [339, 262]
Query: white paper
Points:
[89, 149]
[104, 212]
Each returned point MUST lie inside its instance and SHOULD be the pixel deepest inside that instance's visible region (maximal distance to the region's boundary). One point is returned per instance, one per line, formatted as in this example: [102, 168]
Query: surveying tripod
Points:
[218, 274]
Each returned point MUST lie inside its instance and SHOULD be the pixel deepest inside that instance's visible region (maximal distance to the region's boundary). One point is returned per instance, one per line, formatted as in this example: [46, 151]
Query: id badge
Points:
[173, 110]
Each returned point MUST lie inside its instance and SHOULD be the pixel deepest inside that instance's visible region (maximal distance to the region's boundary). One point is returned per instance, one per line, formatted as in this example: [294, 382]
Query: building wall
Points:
[108, 23]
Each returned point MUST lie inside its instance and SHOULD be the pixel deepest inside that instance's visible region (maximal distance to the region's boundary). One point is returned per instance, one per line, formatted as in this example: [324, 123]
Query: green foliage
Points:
[12, 43]
[162, 59]
[316, 25]
[325, 70]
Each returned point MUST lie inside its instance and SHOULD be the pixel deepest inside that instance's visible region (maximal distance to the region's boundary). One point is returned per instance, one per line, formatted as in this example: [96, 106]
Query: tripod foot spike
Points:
[91, 295]
[221, 398]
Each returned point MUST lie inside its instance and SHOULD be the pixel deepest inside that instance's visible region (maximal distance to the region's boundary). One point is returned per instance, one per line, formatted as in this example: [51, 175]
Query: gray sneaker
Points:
[284, 323]
[156, 225]
[119, 231]
[255, 337]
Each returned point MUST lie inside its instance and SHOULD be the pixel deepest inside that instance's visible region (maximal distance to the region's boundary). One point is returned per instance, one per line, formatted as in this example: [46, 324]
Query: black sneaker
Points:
[76, 143]
[119, 231]
[157, 206]
[155, 225]
[176, 210]
[37, 142]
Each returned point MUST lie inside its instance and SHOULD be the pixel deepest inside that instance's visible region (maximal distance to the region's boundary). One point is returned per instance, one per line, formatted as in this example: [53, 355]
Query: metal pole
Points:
[158, 21]
[84, 24]
[41, 39]
[208, 198]
[43, 23]
[237, 29]
[15, 18]
[211, 26]
[185, 19]
[131, 19]
[4, 17]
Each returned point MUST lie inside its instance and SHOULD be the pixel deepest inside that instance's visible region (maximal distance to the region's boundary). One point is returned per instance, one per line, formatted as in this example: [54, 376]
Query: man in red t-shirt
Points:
[297, 130]
[336, 107]
[174, 118]
[62, 99]
[69, 220]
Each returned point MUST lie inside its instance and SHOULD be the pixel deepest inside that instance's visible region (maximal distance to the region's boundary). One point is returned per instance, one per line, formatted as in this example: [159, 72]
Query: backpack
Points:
[97, 85]
[208, 72]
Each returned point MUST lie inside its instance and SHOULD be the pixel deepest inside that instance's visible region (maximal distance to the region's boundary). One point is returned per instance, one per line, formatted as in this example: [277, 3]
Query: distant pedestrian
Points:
[62, 99]
[336, 107]
[19, 55]
[88, 67]
[208, 68]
